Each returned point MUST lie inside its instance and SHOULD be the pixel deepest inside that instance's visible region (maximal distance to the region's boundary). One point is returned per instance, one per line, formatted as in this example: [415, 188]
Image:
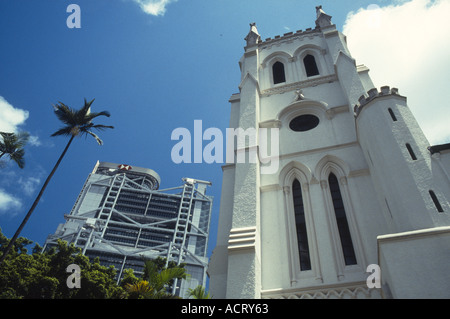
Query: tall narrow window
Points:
[411, 152]
[278, 73]
[436, 201]
[300, 223]
[310, 65]
[341, 220]
[394, 118]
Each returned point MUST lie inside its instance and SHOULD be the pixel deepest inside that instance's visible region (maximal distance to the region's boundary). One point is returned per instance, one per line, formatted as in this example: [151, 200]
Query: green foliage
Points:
[198, 292]
[156, 281]
[43, 275]
[12, 144]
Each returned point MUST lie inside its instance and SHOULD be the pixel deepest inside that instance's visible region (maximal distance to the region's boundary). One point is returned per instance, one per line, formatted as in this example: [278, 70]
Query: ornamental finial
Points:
[323, 19]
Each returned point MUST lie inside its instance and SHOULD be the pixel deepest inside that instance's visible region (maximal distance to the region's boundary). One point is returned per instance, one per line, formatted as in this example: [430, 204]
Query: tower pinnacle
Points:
[253, 36]
[323, 19]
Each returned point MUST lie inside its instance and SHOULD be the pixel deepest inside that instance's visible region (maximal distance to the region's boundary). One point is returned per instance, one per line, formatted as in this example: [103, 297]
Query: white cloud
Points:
[34, 140]
[406, 45]
[8, 203]
[16, 188]
[11, 117]
[154, 7]
[29, 184]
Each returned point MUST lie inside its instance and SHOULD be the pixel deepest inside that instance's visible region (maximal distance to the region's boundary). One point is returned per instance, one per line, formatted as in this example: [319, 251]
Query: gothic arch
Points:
[316, 52]
[301, 51]
[293, 170]
[331, 164]
[297, 171]
[276, 56]
[268, 64]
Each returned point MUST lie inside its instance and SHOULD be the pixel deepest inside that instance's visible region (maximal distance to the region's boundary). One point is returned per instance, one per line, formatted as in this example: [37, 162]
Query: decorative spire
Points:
[253, 36]
[323, 19]
[319, 11]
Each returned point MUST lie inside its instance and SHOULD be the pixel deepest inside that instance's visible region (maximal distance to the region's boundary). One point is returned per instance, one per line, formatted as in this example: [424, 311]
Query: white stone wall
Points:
[415, 264]
[382, 190]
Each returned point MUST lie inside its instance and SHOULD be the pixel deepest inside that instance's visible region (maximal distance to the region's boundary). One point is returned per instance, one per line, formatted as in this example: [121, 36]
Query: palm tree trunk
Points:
[13, 239]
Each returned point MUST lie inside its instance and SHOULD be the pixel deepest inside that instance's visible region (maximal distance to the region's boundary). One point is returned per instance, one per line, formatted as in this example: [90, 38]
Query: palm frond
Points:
[65, 114]
[139, 287]
[22, 139]
[87, 106]
[18, 157]
[90, 116]
[79, 122]
[198, 292]
[63, 131]
[82, 115]
[13, 144]
[169, 274]
[150, 271]
[101, 127]
[99, 141]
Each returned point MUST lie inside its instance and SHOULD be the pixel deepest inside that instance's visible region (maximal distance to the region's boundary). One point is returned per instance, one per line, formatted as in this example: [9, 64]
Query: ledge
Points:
[439, 148]
[414, 234]
[337, 291]
[313, 81]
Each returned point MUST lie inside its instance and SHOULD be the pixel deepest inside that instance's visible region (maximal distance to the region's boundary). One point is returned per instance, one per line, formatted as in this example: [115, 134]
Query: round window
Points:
[304, 123]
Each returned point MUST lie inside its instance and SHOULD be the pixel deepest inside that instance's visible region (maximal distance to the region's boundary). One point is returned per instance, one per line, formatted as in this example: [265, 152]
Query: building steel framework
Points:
[122, 218]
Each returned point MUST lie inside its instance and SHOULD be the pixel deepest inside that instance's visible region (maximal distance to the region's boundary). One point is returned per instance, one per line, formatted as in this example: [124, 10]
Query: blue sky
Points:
[160, 65]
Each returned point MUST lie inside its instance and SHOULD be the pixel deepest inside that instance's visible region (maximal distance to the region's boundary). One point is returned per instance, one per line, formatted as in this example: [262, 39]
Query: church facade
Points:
[359, 192]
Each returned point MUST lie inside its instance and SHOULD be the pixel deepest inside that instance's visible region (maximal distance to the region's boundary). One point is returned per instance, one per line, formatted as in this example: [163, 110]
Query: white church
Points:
[359, 192]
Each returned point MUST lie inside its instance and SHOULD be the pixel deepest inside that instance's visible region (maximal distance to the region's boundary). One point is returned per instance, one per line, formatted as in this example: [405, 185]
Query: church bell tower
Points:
[355, 182]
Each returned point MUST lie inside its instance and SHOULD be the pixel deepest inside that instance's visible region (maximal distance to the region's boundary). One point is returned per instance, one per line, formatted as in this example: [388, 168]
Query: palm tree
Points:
[198, 292]
[77, 123]
[138, 290]
[12, 144]
[154, 284]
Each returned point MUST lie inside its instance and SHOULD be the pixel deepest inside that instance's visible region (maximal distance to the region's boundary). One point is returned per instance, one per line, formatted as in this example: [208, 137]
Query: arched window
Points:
[278, 73]
[310, 65]
[341, 221]
[300, 223]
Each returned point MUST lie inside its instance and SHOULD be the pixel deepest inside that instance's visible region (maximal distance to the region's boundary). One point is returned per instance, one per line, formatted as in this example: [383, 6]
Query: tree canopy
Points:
[44, 276]
[12, 144]
[38, 274]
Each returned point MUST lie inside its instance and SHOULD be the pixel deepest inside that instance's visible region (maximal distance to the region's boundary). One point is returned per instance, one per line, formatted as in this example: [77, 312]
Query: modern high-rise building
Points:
[123, 218]
[358, 204]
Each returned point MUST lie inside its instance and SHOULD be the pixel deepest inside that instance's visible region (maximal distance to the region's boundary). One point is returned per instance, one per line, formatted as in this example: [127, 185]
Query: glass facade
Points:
[123, 218]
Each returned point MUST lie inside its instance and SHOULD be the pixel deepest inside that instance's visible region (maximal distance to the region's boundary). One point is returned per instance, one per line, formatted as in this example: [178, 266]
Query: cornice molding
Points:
[299, 85]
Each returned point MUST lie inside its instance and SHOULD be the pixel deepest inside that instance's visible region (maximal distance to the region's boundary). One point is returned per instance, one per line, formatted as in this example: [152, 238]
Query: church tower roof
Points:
[253, 36]
[323, 19]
